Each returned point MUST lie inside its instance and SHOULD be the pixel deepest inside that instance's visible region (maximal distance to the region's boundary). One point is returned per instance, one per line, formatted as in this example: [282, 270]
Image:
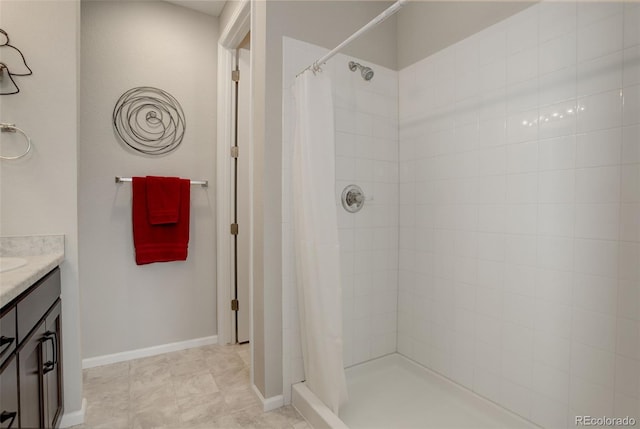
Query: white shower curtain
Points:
[316, 245]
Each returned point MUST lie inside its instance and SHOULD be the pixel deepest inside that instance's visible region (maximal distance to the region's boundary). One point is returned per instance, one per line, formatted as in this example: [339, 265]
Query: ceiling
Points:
[210, 7]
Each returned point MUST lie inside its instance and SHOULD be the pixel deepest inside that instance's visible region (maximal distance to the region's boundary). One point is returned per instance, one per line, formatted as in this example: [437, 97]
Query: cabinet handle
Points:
[6, 343]
[55, 345]
[8, 415]
[48, 366]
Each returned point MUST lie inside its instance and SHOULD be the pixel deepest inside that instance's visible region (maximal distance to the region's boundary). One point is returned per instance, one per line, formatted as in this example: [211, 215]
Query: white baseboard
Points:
[271, 403]
[75, 417]
[146, 352]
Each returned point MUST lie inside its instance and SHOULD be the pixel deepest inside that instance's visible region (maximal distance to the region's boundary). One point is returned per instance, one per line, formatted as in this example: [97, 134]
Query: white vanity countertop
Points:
[42, 254]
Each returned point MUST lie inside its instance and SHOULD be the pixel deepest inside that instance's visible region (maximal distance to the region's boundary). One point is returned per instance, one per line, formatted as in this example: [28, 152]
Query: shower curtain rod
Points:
[375, 21]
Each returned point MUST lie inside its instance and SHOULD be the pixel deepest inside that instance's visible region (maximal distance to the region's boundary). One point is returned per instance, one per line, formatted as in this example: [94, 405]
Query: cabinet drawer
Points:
[7, 334]
[37, 302]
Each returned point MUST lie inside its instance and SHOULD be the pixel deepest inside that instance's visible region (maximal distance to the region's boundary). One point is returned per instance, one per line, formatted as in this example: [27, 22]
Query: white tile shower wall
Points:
[520, 215]
[366, 122]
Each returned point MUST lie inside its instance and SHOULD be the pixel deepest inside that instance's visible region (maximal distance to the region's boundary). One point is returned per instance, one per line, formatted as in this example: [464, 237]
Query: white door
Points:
[242, 199]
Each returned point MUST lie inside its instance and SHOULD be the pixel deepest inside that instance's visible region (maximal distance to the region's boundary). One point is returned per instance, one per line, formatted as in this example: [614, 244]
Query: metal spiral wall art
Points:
[149, 120]
[11, 87]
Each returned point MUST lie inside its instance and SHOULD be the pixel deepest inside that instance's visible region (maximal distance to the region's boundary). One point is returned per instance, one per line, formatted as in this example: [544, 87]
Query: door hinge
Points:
[235, 75]
[234, 229]
[234, 151]
[234, 305]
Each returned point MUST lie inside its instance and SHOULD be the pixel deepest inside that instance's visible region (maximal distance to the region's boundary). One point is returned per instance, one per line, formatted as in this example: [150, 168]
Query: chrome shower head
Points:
[365, 72]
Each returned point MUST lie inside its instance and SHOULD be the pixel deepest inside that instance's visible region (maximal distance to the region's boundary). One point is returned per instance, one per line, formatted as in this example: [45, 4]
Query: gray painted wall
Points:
[124, 45]
[267, 339]
[39, 192]
[425, 27]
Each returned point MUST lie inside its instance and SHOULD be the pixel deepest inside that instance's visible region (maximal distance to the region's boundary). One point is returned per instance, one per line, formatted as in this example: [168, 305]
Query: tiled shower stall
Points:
[502, 245]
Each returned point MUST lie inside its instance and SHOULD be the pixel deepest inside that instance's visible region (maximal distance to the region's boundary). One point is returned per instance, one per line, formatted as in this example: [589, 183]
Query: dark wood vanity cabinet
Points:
[31, 378]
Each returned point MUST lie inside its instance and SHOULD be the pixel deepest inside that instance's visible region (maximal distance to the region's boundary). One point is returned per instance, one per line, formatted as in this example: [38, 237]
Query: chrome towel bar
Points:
[203, 183]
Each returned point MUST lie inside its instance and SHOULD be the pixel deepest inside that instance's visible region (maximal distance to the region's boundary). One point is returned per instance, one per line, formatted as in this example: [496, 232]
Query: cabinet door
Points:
[9, 394]
[31, 380]
[52, 368]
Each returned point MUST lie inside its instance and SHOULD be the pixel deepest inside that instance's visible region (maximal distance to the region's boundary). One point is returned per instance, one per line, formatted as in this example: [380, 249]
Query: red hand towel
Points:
[164, 242]
[163, 199]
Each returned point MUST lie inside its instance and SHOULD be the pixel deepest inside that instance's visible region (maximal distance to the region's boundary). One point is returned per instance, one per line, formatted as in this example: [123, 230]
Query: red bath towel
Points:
[163, 199]
[159, 242]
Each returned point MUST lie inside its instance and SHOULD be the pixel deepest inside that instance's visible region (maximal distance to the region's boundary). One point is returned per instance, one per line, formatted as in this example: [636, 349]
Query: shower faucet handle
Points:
[353, 198]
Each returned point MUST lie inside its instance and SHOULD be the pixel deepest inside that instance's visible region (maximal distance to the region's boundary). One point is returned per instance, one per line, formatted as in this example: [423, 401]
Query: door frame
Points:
[231, 36]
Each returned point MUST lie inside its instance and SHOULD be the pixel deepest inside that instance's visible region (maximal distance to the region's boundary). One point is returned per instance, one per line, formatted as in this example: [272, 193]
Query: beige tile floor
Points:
[205, 387]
